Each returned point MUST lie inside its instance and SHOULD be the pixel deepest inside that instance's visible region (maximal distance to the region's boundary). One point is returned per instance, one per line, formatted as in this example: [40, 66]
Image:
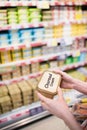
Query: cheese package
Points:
[49, 84]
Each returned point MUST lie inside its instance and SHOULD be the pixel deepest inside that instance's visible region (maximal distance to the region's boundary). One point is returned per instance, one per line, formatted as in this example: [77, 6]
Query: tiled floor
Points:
[48, 123]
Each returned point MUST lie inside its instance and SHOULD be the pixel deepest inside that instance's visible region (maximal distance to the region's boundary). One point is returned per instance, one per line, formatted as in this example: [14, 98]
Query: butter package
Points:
[33, 82]
[16, 55]
[3, 91]
[6, 76]
[49, 84]
[5, 56]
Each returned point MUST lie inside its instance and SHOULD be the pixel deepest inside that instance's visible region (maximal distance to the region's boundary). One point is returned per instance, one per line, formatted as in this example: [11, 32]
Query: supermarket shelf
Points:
[20, 46]
[35, 44]
[22, 26]
[27, 114]
[21, 116]
[68, 3]
[14, 80]
[26, 121]
[17, 3]
[39, 24]
[39, 3]
[73, 66]
[31, 113]
[36, 59]
[40, 58]
[64, 68]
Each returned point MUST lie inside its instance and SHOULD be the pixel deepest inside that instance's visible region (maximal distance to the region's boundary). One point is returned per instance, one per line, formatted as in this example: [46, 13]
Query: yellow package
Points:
[5, 56]
[16, 55]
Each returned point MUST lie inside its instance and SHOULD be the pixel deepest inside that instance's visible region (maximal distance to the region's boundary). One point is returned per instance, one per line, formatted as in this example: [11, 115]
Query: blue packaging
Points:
[82, 56]
[4, 39]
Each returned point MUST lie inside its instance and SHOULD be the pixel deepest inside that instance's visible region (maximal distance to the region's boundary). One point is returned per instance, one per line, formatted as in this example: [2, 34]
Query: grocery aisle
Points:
[36, 36]
[48, 123]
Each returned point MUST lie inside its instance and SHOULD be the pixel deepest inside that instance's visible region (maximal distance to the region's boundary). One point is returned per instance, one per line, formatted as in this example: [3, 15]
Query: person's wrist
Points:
[65, 114]
[74, 83]
[67, 118]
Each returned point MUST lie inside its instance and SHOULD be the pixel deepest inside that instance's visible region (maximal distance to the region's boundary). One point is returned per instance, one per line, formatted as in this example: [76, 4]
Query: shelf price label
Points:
[43, 4]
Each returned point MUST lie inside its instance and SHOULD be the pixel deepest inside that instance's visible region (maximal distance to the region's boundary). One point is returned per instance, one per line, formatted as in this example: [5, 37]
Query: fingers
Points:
[45, 102]
[58, 71]
[43, 98]
[45, 106]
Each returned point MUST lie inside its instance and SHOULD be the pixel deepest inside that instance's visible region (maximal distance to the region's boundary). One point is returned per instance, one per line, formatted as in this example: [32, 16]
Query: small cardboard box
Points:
[24, 88]
[14, 92]
[26, 91]
[49, 84]
[5, 101]
[3, 91]
[33, 82]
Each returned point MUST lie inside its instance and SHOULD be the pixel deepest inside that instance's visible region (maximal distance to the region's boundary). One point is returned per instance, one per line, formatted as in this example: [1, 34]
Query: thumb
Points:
[60, 94]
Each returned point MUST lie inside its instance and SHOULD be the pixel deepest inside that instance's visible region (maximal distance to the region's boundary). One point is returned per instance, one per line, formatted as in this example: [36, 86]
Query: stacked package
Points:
[5, 56]
[23, 15]
[26, 92]
[53, 64]
[38, 34]
[34, 15]
[3, 17]
[5, 101]
[48, 33]
[47, 15]
[26, 53]
[15, 95]
[44, 66]
[6, 76]
[36, 51]
[12, 16]
[58, 31]
[35, 67]
[25, 69]
[16, 55]
[33, 83]
[4, 38]
[26, 35]
[14, 37]
[16, 73]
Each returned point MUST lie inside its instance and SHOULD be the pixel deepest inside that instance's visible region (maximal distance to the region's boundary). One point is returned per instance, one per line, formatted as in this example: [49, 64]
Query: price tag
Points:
[43, 4]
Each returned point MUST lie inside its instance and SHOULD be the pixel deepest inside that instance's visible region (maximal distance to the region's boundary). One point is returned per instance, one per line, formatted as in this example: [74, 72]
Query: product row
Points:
[37, 67]
[32, 52]
[22, 93]
[27, 36]
[17, 95]
[24, 15]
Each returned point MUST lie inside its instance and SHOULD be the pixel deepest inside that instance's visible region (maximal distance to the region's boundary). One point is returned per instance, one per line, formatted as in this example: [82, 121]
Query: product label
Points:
[49, 82]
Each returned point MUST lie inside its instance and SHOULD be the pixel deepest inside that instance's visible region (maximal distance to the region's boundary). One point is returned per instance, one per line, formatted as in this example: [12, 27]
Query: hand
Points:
[57, 106]
[67, 81]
